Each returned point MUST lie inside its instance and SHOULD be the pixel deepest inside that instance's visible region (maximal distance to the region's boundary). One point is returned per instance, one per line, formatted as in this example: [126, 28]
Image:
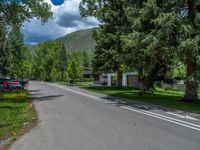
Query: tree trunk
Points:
[191, 94]
[119, 79]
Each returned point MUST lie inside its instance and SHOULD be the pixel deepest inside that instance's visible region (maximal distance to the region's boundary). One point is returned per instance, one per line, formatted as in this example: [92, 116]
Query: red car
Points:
[10, 85]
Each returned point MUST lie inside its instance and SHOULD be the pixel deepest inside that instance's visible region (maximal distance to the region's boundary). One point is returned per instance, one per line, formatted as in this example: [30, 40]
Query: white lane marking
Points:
[191, 118]
[81, 93]
[148, 113]
[156, 116]
[182, 116]
[159, 115]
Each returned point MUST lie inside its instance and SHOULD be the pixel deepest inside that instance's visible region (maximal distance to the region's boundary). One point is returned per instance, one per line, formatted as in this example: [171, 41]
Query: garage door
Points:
[132, 80]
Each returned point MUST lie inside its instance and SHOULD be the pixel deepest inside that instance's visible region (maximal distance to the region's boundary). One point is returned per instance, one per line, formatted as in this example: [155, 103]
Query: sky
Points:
[66, 19]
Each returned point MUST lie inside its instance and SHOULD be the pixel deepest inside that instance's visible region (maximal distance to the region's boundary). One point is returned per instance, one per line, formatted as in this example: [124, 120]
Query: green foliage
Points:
[15, 39]
[55, 74]
[87, 59]
[15, 13]
[75, 68]
[61, 61]
[151, 47]
[6, 54]
[178, 70]
[15, 59]
[50, 60]
[152, 35]
[108, 51]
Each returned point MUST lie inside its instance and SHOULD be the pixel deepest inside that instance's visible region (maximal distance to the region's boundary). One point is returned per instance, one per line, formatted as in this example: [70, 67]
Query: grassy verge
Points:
[16, 113]
[161, 97]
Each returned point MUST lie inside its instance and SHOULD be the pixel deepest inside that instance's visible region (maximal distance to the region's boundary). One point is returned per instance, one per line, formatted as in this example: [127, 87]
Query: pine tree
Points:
[108, 52]
[61, 60]
[190, 45]
[151, 45]
[164, 31]
[5, 54]
[75, 69]
[18, 49]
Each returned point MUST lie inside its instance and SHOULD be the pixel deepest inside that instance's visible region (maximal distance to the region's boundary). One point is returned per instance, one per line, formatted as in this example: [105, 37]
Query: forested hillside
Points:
[81, 40]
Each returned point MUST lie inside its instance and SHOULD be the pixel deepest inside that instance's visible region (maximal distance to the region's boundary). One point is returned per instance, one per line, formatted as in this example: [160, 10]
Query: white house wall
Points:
[109, 78]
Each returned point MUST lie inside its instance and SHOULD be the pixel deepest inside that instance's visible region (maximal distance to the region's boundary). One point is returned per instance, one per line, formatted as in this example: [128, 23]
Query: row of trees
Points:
[49, 61]
[151, 36]
[52, 62]
[14, 56]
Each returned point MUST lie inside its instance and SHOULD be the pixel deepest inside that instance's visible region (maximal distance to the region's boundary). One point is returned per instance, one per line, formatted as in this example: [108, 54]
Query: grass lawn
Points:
[15, 110]
[161, 97]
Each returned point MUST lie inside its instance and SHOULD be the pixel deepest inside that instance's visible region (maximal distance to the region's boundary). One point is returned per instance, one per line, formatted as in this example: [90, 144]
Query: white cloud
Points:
[66, 19]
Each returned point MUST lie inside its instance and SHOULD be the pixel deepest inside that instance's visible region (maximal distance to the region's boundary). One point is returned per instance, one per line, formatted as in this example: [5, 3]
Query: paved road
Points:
[74, 121]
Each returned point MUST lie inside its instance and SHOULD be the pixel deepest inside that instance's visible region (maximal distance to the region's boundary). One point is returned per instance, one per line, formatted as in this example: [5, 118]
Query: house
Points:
[130, 79]
[109, 79]
[87, 72]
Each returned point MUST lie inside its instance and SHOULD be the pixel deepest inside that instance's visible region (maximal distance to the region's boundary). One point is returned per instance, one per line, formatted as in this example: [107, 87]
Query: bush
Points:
[169, 87]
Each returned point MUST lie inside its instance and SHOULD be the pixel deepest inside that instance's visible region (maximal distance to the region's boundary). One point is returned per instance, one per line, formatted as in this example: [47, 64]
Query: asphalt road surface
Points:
[70, 120]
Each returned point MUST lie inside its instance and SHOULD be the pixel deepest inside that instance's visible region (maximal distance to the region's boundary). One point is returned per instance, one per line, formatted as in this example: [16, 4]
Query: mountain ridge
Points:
[80, 40]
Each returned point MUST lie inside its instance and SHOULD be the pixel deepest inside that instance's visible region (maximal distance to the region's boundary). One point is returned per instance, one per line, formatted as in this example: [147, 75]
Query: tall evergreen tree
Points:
[18, 50]
[189, 45]
[164, 31]
[151, 47]
[109, 53]
[5, 52]
[75, 68]
[61, 60]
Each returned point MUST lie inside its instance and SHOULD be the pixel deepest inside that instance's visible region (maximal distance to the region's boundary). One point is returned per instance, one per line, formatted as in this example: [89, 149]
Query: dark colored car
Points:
[1, 87]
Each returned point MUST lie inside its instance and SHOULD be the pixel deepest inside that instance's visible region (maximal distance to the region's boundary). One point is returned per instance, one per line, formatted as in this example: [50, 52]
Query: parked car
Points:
[1, 87]
[5, 79]
[16, 86]
[7, 84]
[22, 82]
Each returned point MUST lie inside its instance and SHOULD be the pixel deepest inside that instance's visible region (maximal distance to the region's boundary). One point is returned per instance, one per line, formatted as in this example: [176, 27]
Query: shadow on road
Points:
[34, 94]
[34, 90]
[45, 98]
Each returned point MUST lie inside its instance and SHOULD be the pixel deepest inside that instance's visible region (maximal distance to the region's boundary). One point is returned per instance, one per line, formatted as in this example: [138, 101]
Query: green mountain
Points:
[79, 41]
[76, 41]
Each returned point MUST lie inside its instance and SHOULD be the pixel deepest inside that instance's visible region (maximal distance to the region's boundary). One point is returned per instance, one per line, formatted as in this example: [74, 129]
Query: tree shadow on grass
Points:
[6, 107]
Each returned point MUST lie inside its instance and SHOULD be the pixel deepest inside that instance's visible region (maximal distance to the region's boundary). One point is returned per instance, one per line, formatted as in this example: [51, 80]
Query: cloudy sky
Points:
[66, 19]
